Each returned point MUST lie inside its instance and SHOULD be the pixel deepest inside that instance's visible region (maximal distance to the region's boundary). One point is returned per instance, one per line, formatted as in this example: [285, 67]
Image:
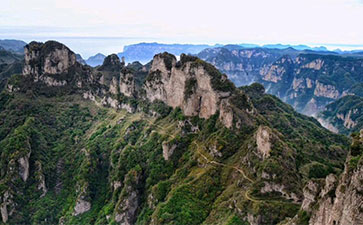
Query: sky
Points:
[333, 23]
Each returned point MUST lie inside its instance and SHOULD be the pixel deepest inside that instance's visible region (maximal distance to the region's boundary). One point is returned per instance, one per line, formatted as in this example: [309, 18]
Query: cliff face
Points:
[306, 81]
[344, 115]
[336, 200]
[193, 85]
[50, 58]
[186, 86]
[242, 66]
[340, 200]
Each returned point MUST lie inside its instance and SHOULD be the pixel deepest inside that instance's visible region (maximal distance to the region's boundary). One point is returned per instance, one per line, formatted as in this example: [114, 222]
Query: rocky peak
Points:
[111, 63]
[191, 84]
[163, 62]
[48, 58]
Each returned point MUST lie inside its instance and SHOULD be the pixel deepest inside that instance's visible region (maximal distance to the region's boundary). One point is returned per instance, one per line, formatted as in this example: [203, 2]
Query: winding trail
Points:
[241, 171]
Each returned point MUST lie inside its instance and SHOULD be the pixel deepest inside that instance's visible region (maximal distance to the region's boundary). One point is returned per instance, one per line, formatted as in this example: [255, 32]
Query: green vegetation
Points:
[190, 85]
[155, 164]
[337, 113]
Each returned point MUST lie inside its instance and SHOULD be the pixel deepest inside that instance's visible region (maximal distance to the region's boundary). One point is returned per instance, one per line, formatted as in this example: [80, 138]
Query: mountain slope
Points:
[344, 115]
[10, 63]
[171, 142]
[307, 81]
[96, 60]
[16, 46]
[335, 200]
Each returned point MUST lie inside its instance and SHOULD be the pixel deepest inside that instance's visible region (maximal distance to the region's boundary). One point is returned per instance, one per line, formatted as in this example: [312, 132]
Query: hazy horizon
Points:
[90, 46]
[330, 23]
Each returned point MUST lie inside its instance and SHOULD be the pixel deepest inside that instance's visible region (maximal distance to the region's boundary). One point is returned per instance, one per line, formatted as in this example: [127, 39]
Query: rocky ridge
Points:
[344, 115]
[307, 81]
[337, 200]
[177, 143]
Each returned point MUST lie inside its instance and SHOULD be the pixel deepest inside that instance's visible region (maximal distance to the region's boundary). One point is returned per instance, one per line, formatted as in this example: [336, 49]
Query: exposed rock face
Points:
[263, 141]
[111, 63]
[343, 115]
[315, 64]
[274, 73]
[241, 65]
[298, 83]
[311, 191]
[226, 113]
[82, 204]
[53, 82]
[191, 84]
[24, 167]
[4, 213]
[348, 122]
[340, 202]
[7, 206]
[324, 90]
[81, 207]
[188, 86]
[128, 203]
[168, 150]
[296, 77]
[127, 84]
[274, 187]
[337, 200]
[54, 58]
[328, 125]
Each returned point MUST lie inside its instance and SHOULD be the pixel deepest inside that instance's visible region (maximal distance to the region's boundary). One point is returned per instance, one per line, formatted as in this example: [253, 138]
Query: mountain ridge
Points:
[308, 81]
[150, 146]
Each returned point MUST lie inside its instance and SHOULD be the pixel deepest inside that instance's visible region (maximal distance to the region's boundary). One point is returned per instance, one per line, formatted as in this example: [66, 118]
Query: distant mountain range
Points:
[307, 80]
[13, 45]
[344, 115]
[96, 60]
[11, 62]
[144, 52]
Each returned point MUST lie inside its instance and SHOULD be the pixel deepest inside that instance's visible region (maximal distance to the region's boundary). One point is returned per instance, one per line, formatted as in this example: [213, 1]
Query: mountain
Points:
[308, 81]
[344, 115]
[170, 142]
[96, 60]
[335, 199]
[80, 59]
[10, 63]
[144, 52]
[297, 47]
[8, 57]
[13, 45]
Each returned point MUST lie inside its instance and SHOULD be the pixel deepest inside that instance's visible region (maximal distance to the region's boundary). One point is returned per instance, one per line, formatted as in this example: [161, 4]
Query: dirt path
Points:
[246, 194]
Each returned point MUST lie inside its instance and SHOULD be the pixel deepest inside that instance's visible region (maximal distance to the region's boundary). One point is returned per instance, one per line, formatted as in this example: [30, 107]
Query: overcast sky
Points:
[312, 22]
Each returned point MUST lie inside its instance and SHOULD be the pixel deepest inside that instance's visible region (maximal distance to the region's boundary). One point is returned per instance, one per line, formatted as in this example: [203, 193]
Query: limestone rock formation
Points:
[49, 58]
[337, 200]
[263, 141]
[168, 150]
[81, 207]
[24, 167]
[128, 203]
[306, 80]
[189, 84]
[111, 63]
[127, 83]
